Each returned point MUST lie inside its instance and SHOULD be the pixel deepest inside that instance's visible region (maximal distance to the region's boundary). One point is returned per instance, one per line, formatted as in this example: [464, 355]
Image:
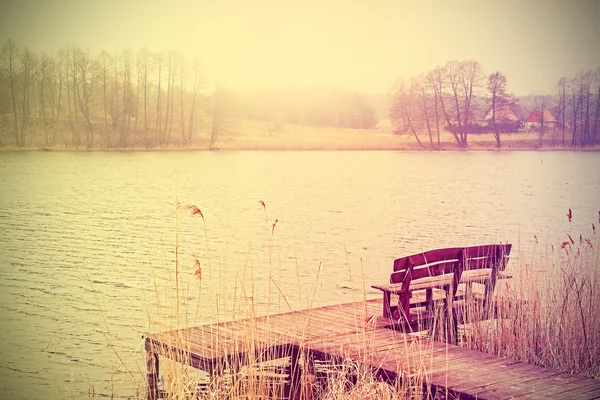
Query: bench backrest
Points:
[450, 260]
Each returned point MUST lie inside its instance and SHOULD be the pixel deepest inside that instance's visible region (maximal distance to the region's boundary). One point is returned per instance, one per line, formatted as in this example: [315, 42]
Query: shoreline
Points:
[250, 135]
[477, 149]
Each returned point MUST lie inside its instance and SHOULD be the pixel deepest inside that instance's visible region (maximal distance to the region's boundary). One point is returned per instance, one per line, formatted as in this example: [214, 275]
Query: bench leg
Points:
[152, 368]
[292, 390]
[387, 312]
[404, 301]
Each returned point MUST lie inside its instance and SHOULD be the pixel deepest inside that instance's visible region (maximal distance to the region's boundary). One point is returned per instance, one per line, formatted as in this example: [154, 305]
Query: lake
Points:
[87, 241]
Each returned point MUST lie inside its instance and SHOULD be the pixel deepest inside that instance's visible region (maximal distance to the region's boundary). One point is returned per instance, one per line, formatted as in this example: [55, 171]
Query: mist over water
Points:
[87, 240]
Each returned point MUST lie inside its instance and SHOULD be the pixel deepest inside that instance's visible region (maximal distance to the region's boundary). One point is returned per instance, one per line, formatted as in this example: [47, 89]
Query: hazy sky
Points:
[358, 45]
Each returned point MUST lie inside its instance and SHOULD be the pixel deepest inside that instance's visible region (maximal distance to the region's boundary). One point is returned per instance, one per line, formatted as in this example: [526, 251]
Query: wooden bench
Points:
[436, 275]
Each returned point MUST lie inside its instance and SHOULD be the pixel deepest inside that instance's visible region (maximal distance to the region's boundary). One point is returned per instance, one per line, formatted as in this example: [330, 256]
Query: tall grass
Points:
[551, 315]
[547, 316]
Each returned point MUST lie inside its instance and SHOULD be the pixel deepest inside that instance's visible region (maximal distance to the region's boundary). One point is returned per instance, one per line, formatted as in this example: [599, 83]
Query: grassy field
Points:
[259, 135]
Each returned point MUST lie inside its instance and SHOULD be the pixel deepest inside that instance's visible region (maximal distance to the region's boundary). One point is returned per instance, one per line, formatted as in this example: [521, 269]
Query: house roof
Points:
[503, 114]
[536, 115]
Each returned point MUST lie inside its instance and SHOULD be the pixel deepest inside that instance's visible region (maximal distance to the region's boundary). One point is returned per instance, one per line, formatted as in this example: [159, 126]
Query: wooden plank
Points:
[594, 394]
[518, 384]
[589, 391]
[427, 257]
[580, 392]
[570, 389]
[533, 382]
[489, 379]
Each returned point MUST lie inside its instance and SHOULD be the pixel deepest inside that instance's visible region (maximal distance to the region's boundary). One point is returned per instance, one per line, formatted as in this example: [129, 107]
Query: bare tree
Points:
[575, 106]
[143, 66]
[586, 84]
[431, 78]
[104, 56]
[85, 88]
[464, 79]
[562, 104]
[223, 114]
[28, 65]
[438, 78]
[44, 72]
[181, 68]
[196, 87]
[12, 52]
[127, 97]
[422, 82]
[170, 96]
[402, 107]
[169, 89]
[217, 116]
[597, 113]
[54, 89]
[497, 89]
[541, 103]
[158, 119]
[116, 110]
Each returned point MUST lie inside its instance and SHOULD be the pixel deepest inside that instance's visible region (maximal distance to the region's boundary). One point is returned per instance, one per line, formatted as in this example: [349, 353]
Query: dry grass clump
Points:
[552, 316]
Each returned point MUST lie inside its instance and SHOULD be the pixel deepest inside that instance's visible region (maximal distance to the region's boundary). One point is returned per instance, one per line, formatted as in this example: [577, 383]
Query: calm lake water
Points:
[87, 241]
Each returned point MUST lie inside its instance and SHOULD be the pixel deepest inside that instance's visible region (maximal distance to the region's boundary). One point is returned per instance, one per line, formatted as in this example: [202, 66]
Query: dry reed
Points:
[548, 317]
[551, 317]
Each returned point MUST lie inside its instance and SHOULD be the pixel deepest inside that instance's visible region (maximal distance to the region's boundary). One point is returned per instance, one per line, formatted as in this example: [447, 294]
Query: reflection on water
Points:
[87, 240]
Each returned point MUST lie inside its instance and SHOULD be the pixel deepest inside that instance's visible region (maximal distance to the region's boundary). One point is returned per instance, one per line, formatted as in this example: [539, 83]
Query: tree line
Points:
[460, 98]
[124, 100]
[145, 99]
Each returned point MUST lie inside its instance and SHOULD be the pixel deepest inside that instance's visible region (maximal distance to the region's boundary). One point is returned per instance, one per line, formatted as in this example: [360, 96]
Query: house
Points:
[506, 120]
[534, 120]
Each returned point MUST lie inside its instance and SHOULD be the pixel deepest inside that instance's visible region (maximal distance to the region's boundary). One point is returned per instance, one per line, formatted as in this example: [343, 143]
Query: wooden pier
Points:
[346, 332]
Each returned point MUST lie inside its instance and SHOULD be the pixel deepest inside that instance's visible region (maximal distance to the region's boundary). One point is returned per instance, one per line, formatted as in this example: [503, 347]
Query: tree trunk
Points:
[11, 49]
[494, 127]
[542, 125]
[126, 102]
[437, 122]
[215, 124]
[137, 104]
[587, 117]
[117, 111]
[193, 109]
[172, 101]
[460, 127]
[146, 103]
[446, 116]
[181, 101]
[57, 123]
[412, 128]
[75, 96]
[71, 122]
[426, 114]
[575, 111]
[597, 114]
[158, 103]
[44, 123]
[168, 99]
[564, 112]
[581, 127]
[25, 100]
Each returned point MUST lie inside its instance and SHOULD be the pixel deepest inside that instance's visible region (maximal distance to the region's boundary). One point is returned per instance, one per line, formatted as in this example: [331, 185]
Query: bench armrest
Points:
[394, 288]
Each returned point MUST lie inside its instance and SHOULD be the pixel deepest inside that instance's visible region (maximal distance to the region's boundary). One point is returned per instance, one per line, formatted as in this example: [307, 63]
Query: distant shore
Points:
[251, 135]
